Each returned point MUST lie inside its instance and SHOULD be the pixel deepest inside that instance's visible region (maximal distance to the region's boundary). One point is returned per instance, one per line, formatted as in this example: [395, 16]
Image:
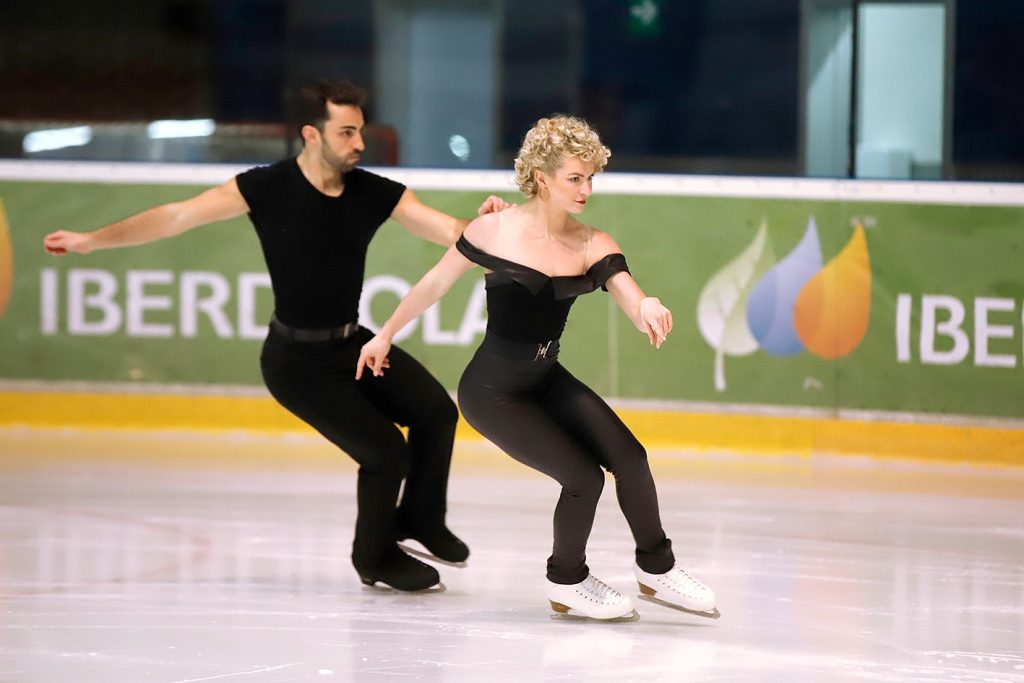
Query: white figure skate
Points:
[678, 590]
[591, 598]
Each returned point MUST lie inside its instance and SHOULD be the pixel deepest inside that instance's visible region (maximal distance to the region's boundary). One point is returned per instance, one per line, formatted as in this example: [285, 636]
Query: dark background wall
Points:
[712, 85]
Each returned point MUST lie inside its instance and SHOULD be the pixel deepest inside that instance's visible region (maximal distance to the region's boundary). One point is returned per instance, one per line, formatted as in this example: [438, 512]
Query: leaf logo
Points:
[6, 261]
[722, 305]
[785, 308]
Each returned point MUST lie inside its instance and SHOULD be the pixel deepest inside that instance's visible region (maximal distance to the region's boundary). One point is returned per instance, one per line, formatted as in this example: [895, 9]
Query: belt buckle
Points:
[542, 350]
[343, 332]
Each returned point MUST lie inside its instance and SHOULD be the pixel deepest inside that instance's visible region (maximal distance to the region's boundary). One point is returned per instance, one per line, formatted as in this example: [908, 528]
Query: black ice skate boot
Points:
[440, 544]
[401, 572]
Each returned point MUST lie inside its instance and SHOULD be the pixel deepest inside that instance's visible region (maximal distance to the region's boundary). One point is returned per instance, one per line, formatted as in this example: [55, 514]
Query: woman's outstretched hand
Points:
[374, 355]
[656, 320]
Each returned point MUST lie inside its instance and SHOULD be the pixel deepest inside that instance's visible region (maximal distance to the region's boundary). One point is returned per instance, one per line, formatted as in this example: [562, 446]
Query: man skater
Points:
[315, 216]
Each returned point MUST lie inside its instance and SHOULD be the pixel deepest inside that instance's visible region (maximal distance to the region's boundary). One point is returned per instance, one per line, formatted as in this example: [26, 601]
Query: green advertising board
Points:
[837, 297]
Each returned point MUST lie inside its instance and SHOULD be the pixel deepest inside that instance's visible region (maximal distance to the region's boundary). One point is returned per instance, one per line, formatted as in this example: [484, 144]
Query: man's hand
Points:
[492, 204]
[62, 241]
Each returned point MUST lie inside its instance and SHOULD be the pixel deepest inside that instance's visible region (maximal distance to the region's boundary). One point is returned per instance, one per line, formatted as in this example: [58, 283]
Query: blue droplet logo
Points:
[770, 307]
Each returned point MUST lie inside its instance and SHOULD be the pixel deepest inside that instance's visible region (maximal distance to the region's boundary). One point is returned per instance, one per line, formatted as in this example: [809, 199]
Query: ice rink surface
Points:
[180, 558]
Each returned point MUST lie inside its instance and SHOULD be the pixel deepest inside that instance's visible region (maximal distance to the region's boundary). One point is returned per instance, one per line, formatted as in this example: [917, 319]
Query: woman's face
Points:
[570, 185]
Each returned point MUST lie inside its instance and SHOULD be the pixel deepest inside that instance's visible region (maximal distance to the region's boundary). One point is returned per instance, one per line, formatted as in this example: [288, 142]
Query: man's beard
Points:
[339, 164]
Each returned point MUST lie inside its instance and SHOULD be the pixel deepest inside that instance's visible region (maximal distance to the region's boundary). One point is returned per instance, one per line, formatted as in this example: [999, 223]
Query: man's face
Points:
[342, 137]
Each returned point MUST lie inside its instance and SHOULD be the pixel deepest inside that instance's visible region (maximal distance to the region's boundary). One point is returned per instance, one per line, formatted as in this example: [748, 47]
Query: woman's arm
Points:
[646, 312]
[429, 289]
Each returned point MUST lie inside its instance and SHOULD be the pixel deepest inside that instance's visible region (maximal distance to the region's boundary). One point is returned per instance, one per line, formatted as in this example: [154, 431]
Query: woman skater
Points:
[538, 259]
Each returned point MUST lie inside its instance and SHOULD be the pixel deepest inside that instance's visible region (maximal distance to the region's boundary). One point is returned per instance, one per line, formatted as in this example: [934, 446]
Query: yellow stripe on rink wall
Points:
[146, 411]
[656, 429]
[807, 436]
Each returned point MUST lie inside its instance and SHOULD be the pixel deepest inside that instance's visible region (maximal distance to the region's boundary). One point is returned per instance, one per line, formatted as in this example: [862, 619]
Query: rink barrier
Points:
[964, 412]
[876, 437]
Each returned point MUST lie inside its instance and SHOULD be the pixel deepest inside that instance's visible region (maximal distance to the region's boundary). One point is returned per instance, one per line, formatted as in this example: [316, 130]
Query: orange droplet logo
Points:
[832, 310]
[6, 261]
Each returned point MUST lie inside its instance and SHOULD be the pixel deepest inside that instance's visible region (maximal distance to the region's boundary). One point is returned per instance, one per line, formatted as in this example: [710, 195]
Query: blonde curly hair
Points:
[550, 142]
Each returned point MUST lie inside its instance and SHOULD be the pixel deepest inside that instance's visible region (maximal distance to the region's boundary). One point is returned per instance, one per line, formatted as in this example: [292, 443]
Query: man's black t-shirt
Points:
[315, 245]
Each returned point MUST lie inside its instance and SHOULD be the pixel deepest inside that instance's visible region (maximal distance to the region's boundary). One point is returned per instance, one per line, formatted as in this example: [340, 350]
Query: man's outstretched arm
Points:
[167, 220]
[437, 226]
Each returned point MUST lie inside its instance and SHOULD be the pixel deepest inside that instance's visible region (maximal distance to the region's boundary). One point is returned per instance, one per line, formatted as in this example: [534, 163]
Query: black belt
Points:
[314, 334]
[516, 350]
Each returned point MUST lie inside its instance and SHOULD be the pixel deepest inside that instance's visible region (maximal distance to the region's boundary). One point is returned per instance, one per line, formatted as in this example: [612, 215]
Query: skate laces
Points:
[682, 582]
[599, 590]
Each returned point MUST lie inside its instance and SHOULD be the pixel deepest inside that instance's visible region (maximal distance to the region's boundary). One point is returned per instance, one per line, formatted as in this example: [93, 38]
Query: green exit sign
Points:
[645, 17]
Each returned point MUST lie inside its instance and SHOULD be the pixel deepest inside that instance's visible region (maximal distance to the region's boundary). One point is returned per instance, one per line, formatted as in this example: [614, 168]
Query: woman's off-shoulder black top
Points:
[526, 305]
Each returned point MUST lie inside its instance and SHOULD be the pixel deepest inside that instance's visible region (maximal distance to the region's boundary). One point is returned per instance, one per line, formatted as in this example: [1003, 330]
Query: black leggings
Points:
[316, 382]
[545, 418]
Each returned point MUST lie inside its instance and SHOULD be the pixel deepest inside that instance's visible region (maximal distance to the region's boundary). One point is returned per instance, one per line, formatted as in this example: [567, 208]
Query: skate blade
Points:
[569, 615]
[412, 550]
[713, 614]
[381, 587]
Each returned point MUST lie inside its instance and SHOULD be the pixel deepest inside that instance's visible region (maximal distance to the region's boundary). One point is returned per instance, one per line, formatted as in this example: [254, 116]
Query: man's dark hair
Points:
[309, 106]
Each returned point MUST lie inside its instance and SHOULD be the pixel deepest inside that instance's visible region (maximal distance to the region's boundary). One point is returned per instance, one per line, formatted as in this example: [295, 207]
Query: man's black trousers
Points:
[316, 382]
